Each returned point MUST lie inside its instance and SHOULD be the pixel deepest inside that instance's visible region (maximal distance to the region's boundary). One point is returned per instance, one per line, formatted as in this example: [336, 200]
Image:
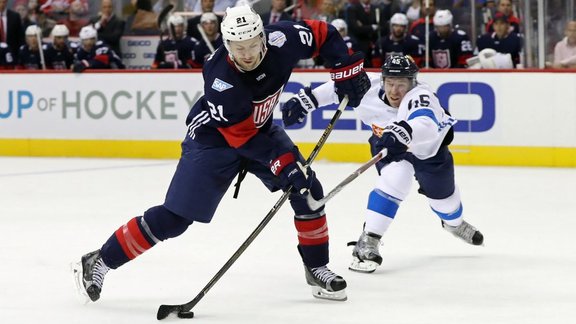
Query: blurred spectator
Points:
[502, 40]
[176, 51]
[413, 11]
[276, 13]
[361, 20]
[21, 7]
[194, 23]
[565, 50]
[329, 10]
[218, 6]
[110, 28]
[142, 20]
[29, 56]
[58, 54]
[211, 37]
[449, 47]
[94, 54]
[161, 4]
[505, 7]
[398, 42]
[60, 10]
[77, 17]
[6, 57]
[418, 27]
[11, 31]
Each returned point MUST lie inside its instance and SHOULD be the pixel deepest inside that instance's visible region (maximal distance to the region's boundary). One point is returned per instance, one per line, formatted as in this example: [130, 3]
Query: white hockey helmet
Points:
[443, 18]
[399, 19]
[176, 20]
[33, 30]
[240, 24]
[340, 24]
[208, 16]
[88, 32]
[60, 31]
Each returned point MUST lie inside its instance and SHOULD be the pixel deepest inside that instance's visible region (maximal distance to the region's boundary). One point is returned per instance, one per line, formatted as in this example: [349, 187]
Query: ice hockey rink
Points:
[53, 210]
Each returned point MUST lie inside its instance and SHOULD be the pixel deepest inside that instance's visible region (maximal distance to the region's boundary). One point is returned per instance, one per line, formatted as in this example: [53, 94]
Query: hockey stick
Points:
[315, 204]
[183, 311]
[162, 17]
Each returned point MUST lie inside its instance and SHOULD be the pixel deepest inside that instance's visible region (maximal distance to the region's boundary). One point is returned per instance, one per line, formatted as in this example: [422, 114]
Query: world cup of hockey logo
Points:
[441, 58]
[263, 109]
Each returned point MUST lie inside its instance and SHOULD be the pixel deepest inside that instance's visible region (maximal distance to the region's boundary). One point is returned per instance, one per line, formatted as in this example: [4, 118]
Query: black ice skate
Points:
[325, 283]
[89, 274]
[366, 257]
[465, 232]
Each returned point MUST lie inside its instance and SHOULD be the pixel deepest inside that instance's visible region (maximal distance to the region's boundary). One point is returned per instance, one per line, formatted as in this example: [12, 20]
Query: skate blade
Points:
[363, 266]
[76, 268]
[330, 295]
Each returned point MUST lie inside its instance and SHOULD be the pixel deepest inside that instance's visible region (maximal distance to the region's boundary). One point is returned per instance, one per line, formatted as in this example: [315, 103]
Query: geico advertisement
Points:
[491, 108]
[138, 52]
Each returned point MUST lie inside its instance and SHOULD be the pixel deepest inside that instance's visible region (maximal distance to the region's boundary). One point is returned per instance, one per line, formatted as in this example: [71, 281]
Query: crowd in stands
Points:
[34, 34]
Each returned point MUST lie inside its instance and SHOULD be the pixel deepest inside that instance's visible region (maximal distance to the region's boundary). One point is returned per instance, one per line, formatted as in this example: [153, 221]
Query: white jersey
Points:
[420, 108]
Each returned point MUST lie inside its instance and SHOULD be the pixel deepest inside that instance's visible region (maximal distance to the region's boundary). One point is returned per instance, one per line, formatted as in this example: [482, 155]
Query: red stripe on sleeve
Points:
[238, 134]
[320, 33]
[103, 58]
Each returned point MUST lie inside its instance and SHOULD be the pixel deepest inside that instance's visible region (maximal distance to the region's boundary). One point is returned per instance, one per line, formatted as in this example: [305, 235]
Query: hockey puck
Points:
[185, 314]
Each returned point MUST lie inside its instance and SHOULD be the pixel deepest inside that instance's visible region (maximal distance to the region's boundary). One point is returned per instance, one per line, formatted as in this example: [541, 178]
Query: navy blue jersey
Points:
[202, 52]
[58, 59]
[451, 52]
[6, 59]
[409, 45]
[175, 54]
[28, 59]
[99, 57]
[236, 107]
[511, 44]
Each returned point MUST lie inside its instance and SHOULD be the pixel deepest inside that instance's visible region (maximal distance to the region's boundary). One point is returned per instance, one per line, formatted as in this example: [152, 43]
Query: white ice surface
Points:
[54, 210]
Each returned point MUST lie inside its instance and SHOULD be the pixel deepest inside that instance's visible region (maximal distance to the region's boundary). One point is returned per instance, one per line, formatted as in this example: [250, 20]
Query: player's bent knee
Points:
[163, 224]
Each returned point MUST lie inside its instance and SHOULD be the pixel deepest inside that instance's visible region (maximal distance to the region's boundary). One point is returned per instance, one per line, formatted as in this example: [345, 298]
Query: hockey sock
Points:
[313, 240]
[380, 212]
[448, 209]
[140, 234]
[453, 218]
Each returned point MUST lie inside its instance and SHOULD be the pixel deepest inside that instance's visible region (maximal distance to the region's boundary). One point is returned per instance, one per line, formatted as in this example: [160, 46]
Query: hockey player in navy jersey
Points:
[449, 47]
[58, 54]
[399, 42]
[176, 52]
[94, 54]
[408, 121]
[6, 59]
[29, 57]
[230, 130]
[502, 40]
[210, 40]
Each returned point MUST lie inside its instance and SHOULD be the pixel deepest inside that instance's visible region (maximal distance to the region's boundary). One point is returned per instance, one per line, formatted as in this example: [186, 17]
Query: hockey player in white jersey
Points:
[408, 121]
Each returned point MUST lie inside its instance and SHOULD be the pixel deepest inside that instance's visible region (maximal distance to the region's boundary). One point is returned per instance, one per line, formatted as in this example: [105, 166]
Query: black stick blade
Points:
[165, 310]
[163, 14]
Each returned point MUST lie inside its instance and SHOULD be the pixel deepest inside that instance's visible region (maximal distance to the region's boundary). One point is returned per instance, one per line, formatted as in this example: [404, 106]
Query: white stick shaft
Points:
[205, 38]
[315, 204]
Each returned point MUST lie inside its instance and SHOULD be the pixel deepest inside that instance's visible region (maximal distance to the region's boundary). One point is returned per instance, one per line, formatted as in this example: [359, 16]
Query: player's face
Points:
[59, 42]
[210, 27]
[207, 5]
[396, 89]
[179, 31]
[32, 42]
[500, 28]
[398, 31]
[247, 53]
[88, 44]
[444, 31]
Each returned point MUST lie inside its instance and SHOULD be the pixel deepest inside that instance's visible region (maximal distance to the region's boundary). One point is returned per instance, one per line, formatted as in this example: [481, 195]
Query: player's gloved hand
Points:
[350, 79]
[291, 172]
[80, 66]
[395, 138]
[295, 110]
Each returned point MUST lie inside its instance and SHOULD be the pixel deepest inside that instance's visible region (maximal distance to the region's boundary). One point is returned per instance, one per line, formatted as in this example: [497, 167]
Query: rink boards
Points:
[505, 118]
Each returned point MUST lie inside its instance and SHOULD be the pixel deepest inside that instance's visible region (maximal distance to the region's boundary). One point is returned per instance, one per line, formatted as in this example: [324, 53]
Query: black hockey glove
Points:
[80, 66]
[291, 172]
[350, 79]
[295, 110]
[395, 139]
